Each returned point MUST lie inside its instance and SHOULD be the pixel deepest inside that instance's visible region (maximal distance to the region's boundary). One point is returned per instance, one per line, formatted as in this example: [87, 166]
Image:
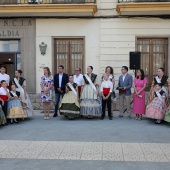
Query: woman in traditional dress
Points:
[89, 104]
[20, 84]
[109, 72]
[139, 85]
[160, 78]
[70, 106]
[157, 108]
[46, 92]
[14, 106]
[2, 115]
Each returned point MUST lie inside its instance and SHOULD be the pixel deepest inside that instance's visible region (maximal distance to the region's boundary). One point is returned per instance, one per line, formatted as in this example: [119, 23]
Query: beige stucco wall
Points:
[47, 29]
[118, 37]
[108, 41]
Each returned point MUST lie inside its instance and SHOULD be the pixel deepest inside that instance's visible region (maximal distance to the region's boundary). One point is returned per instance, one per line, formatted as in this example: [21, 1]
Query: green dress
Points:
[167, 116]
[69, 105]
[2, 117]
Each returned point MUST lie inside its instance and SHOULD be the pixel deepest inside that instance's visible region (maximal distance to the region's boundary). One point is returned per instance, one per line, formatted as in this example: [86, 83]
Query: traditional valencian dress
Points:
[69, 105]
[89, 104]
[20, 83]
[164, 82]
[2, 117]
[46, 82]
[155, 109]
[14, 106]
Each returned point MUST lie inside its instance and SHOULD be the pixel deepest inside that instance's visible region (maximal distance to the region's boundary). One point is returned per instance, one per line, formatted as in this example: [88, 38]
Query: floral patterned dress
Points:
[46, 82]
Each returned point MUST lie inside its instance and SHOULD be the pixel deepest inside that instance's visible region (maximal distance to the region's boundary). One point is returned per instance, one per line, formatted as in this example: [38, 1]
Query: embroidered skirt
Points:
[90, 107]
[69, 105]
[15, 109]
[155, 109]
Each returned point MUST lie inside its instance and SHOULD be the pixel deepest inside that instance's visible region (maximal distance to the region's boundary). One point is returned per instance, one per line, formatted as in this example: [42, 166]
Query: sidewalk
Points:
[85, 144]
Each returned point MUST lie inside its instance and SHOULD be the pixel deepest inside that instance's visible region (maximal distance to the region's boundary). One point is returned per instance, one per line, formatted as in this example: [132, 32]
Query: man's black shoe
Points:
[55, 115]
[101, 118]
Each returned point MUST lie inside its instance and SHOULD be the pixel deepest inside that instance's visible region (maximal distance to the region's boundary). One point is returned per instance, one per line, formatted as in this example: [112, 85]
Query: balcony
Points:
[47, 8]
[143, 7]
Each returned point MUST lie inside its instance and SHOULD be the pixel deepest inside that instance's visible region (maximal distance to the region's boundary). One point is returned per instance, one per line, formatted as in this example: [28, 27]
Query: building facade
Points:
[78, 33]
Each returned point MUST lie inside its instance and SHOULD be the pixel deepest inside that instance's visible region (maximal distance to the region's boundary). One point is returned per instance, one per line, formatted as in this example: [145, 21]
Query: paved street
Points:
[85, 144]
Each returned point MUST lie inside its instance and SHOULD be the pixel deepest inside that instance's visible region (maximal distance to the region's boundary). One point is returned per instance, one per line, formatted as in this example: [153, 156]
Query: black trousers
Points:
[108, 102]
[4, 108]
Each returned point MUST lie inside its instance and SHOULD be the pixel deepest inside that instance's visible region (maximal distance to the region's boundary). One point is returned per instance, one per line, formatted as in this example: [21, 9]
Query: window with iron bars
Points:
[154, 54]
[69, 52]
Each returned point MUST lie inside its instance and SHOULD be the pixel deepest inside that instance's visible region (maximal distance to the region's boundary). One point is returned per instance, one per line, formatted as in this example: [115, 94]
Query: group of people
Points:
[14, 101]
[80, 95]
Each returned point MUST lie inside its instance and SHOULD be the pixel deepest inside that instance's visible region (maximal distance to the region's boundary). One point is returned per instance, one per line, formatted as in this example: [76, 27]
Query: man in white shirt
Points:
[3, 75]
[106, 89]
[78, 79]
[60, 81]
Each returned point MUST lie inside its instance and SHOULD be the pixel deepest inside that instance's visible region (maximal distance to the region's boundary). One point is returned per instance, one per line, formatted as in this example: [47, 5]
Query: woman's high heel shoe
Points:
[140, 117]
[137, 116]
[11, 121]
[15, 121]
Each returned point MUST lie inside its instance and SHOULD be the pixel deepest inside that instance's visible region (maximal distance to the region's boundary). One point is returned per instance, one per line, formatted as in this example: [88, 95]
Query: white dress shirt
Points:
[2, 91]
[4, 77]
[124, 77]
[106, 84]
[60, 79]
[78, 80]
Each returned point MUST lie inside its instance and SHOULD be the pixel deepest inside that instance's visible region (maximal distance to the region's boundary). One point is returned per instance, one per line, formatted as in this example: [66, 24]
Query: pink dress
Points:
[155, 109]
[139, 102]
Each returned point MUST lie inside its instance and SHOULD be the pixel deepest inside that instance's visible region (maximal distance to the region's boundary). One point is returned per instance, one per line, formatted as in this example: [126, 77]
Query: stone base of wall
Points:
[37, 104]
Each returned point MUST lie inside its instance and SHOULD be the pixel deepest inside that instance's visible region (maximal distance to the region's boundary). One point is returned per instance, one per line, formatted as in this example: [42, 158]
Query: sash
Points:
[14, 94]
[21, 90]
[72, 88]
[158, 94]
[90, 82]
[163, 87]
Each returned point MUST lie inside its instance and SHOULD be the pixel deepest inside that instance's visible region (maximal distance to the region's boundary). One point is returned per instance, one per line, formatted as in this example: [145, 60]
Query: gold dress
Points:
[15, 108]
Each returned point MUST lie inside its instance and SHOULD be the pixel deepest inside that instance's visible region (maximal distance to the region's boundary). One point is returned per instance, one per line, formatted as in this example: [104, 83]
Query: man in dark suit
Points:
[60, 81]
[124, 87]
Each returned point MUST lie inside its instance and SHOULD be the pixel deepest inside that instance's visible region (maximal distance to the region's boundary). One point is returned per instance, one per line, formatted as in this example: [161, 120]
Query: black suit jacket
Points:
[65, 80]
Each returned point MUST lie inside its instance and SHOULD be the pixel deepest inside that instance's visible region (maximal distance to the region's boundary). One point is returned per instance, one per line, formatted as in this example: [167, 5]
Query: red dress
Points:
[139, 102]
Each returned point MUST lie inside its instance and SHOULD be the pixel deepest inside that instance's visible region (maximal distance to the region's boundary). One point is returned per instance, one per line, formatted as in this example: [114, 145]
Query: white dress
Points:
[89, 104]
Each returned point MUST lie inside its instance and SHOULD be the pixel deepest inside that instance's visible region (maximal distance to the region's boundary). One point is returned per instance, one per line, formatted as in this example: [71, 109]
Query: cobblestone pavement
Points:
[85, 144]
